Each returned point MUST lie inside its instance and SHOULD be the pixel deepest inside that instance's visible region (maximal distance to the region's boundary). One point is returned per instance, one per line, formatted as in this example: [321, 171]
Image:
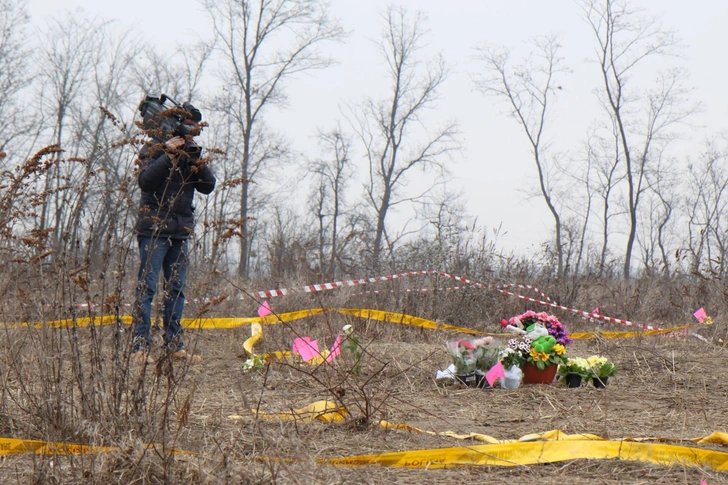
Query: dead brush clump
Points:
[170, 422]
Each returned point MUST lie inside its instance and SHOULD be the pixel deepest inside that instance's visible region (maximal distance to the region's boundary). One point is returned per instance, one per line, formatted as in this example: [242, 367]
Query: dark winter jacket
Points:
[168, 191]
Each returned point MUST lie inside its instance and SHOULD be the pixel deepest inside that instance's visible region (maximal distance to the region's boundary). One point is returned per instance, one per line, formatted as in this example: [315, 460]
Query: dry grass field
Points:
[65, 385]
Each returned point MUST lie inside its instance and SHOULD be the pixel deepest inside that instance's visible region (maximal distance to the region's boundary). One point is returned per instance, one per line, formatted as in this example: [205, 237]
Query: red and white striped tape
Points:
[546, 301]
[338, 284]
[448, 288]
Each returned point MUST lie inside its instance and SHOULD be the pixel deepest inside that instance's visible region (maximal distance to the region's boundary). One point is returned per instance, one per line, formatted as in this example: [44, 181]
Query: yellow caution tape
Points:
[716, 437]
[549, 447]
[328, 411]
[278, 355]
[325, 411]
[404, 319]
[449, 434]
[530, 453]
[256, 331]
[553, 435]
[12, 446]
[392, 317]
[272, 319]
[80, 322]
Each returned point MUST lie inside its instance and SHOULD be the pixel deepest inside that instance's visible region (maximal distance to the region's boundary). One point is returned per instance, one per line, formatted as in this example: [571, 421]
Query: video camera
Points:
[165, 122]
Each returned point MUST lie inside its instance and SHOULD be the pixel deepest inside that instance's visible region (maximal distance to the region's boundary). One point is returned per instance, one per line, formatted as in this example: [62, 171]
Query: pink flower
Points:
[482, 341]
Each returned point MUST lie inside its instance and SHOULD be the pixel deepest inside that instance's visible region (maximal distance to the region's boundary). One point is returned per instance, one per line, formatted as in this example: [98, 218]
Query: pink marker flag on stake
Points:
[494, 373]
[264, 309]
[306, 348]
[335, 349]
[700, 314]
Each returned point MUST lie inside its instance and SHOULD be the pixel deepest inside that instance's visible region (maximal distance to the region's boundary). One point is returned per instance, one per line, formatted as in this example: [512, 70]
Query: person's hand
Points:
[175, 143]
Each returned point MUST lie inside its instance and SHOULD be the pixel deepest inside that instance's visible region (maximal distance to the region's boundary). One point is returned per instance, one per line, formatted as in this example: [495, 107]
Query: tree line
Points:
[623, 203]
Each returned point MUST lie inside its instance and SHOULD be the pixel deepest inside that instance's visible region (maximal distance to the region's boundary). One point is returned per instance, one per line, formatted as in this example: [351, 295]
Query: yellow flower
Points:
[534, 353]
[559, 349]
[543, 356]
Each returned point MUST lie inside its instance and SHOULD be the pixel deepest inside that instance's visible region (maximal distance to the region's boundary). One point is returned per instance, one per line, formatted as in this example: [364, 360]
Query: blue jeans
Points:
[169, 256]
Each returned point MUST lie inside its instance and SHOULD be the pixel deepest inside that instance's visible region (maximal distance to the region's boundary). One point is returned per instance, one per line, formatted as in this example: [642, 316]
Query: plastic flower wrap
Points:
[469, 355]
[543, 343]
[555, 328]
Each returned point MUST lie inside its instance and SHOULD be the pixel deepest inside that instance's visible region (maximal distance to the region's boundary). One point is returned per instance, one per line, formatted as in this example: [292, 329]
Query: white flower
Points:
[253, 363]
[347, 329]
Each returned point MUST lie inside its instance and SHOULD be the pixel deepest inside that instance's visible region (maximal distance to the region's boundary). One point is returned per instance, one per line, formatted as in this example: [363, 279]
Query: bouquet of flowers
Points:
[541, 352]
[511, 357]
[544, 355]
[600, 367]
[469, 355]
[577, 366]
[515, 352]
[555, 328]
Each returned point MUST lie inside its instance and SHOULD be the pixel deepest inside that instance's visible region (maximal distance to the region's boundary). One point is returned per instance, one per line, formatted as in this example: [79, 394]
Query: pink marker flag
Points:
[264, 309]
[306, 348]
[703, 483]
[335, 349]
[700, 314]
[494, 373]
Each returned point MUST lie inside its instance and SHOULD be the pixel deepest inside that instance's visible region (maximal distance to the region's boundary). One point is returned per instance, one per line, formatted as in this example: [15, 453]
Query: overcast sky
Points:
[495, 163]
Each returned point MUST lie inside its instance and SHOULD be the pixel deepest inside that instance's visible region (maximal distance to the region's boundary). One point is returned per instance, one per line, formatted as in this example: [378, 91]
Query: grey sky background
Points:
[495, 165]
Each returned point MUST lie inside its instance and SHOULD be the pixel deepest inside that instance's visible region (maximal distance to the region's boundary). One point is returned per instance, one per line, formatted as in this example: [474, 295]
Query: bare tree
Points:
[528, 88]
[65, 64]
[577, 207]
[604, 161]
[15, 69]
[444, 242]
[388, 127]
[332, 175]
[706, 204]
[178, 76]
[657, 235]
[111, 90]
[263, 43]
[625, 40]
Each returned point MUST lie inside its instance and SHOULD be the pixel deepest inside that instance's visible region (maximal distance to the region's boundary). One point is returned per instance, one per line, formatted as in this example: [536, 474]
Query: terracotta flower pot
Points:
[532, 374]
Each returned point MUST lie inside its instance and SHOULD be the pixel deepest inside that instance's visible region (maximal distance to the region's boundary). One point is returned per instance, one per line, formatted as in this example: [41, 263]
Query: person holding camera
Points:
[169, 174]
